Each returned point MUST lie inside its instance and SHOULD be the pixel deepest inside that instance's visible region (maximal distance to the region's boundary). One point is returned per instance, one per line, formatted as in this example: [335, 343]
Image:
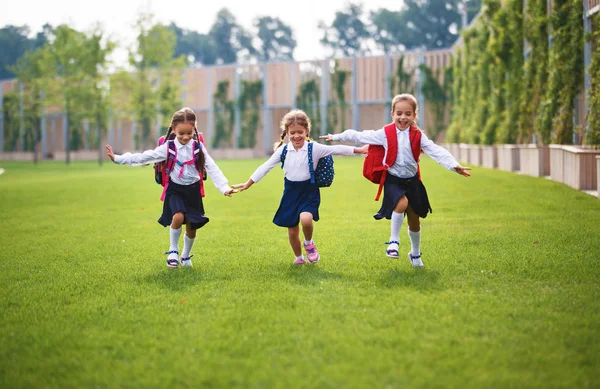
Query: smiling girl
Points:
[301, 198]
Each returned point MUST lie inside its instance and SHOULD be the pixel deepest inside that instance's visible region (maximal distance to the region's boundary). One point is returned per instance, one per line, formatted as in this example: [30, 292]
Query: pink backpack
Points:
[162, 170]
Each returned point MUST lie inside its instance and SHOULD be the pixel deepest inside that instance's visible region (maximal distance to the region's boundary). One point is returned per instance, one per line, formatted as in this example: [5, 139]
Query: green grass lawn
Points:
[509, 297]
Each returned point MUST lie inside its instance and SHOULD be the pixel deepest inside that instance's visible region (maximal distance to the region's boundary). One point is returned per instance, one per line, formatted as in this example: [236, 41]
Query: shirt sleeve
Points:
[321, 150]
[266, 167]
[159, 154]
[215, 174]
[371, 137]
[438, 153]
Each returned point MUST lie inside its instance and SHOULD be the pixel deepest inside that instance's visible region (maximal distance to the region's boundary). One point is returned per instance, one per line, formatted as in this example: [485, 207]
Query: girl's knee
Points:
[306, 219]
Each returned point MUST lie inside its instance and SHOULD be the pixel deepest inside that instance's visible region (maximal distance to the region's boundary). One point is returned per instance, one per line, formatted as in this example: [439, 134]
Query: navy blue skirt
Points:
[186, 199]
[393, 190]
[298, 197]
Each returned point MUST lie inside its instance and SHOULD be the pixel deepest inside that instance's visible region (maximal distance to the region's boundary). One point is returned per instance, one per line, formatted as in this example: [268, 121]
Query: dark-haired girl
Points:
[183, 201]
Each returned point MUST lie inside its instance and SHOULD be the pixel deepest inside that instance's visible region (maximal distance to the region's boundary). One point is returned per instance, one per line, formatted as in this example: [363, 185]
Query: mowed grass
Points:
[509, 297]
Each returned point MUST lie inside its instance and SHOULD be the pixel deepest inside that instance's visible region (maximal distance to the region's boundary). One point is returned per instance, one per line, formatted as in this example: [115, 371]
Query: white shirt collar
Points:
[304, 146]
[402, 129]
[179, 145]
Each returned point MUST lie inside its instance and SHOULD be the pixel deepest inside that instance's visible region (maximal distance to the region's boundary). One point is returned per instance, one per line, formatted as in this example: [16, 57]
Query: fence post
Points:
[355, 113]
[420, 99]
[293, 84]
[86, 129]
[587, 59]
[211, 107]
[267, 140]
[387, 62]
[237, 113]
[21, 119]
[324, 95]
[43, 125]
[1, 118]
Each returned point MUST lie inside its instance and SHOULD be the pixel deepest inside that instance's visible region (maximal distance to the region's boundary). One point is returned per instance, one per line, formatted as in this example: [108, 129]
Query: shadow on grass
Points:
[420, 279]
[175, 280]
[309, 274]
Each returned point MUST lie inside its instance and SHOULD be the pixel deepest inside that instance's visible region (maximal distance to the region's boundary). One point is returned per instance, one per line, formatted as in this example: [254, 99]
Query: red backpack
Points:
[162, 170]
[377, 162]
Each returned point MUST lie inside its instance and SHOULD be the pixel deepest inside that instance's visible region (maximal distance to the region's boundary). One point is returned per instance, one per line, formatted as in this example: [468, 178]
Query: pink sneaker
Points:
[299, 261]
[312, 253]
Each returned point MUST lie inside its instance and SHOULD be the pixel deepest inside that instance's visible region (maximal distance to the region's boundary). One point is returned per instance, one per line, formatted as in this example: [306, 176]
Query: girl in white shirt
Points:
[183, 201]
[403, 189]
[301, 198]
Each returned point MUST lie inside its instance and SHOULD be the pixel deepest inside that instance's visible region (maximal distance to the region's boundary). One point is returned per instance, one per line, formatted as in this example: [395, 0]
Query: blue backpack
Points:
[323, 174]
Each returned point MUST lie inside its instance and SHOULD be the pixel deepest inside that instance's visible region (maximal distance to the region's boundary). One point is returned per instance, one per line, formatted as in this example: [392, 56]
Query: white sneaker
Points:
[415, 260]
[187, 261]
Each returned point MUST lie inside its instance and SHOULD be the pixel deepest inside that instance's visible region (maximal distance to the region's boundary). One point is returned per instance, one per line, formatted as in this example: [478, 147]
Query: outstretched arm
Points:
[243, 186]
[371, 137]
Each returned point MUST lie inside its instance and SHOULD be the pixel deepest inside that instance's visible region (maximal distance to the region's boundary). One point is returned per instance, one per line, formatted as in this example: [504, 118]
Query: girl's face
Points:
[184, 132]
[297, 135]
[403, 114]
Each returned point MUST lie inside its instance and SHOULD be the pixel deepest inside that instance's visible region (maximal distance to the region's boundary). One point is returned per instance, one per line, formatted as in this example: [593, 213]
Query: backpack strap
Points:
[415, 145]
[169, 164]
[197, 150]
[311, 167]
[390, 154]
[283, 154]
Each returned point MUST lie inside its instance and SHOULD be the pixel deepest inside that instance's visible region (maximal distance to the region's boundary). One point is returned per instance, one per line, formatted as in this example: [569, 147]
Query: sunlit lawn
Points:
[509, 297]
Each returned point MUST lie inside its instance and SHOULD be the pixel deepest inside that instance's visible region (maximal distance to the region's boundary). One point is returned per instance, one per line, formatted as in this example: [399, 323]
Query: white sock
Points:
[308, 241]
[300, 256]
[175, 234]
[415, 243]
[188, 243]
[397, 219]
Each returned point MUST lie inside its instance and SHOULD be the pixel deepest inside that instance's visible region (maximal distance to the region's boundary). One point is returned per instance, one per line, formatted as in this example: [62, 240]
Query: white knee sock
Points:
[415, 242]
[175, 234]
[188, 243]
[397, 219]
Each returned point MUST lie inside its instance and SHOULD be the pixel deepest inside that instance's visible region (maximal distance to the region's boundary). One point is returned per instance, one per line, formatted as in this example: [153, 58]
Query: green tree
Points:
[566, 72]
[69, 70]
[232, 42]
[15, 42]
[157, 79]
[593, 118]
[277, 42]
[195, 47]
[348, 34]
[535, 27]
[433, 24]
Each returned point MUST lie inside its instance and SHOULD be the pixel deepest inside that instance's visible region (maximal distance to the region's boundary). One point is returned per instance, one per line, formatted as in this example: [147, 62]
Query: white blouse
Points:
[295, 167]
[190, 174]
[405, 165]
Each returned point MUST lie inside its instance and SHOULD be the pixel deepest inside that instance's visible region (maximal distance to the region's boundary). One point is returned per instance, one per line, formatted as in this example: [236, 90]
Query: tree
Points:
[276, 40]
[433, 24]
[231, 41]
[348, 35]
[157, 80]
[69, 69]
[195, 47]
[15, 42]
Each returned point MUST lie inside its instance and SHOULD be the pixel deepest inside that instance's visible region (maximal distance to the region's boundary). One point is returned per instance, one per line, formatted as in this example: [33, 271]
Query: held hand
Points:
[463, 171]
[230, 192]
[362, 150]
[110, 153]
[328, 137]
[242, 187]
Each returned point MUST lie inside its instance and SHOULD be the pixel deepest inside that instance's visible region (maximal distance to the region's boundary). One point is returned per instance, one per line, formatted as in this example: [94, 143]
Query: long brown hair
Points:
[185, 115]
[295, 116]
